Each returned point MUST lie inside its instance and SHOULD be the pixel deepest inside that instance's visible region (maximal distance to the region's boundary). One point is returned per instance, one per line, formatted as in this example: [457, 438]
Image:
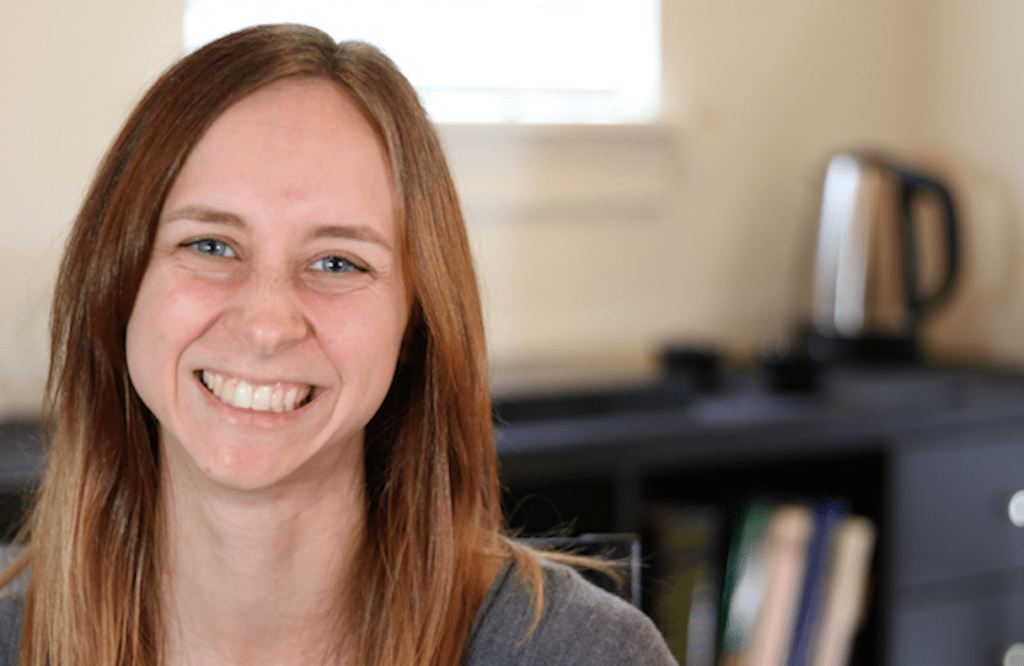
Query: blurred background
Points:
[690, 220]
[600, 243]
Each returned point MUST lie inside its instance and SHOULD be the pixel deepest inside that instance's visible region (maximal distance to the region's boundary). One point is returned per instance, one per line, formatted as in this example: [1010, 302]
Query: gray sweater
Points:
[580, 625]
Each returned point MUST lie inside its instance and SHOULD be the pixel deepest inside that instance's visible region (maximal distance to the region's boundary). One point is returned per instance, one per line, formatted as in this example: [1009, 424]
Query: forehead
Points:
[292, 142]
[290, 101]
[297, 109]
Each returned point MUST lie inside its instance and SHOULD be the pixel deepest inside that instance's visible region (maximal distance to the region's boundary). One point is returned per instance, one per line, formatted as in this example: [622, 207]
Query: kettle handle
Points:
[910, 184]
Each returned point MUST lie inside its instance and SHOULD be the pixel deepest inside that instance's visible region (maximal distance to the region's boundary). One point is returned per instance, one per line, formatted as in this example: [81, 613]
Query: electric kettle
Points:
[883, 233]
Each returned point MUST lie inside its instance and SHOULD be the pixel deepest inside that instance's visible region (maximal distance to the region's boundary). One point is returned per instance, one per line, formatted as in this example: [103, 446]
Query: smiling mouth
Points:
[257, 397]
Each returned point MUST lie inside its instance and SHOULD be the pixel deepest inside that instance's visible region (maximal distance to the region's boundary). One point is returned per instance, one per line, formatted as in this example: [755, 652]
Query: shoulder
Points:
[579, 624]
[12, 608]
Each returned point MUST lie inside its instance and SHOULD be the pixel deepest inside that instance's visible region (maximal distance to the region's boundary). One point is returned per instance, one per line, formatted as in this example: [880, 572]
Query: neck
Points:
[258, 577]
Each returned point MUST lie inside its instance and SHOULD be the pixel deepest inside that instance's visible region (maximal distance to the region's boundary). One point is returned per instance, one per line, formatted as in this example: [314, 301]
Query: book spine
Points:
[847, 594]
[828, 513]
[785, 557]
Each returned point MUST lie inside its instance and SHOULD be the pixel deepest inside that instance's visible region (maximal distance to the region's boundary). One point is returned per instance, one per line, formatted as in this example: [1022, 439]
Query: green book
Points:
[686, 571]
[743, 581]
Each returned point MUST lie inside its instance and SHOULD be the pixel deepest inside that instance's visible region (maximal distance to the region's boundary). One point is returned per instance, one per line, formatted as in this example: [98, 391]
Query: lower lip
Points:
[251, 418]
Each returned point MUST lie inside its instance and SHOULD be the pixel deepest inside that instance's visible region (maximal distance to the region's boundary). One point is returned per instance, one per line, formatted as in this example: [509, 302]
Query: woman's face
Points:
[268, 324]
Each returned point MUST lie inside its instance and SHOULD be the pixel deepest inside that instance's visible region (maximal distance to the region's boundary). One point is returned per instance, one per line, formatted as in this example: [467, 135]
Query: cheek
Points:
[144, 338]
[362, 336]
[167, 316]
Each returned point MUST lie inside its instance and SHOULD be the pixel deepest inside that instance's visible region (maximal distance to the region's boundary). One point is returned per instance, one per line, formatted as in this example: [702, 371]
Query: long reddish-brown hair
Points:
[433, 500]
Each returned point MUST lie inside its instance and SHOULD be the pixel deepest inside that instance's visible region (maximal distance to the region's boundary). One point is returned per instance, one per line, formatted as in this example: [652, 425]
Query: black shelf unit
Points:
[900, 443]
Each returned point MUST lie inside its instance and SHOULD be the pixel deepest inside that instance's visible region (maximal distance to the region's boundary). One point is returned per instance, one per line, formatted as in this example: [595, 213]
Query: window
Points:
[487, 61]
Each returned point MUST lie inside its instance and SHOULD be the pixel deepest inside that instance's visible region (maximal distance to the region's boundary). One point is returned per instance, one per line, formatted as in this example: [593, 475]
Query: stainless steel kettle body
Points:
[873, 255]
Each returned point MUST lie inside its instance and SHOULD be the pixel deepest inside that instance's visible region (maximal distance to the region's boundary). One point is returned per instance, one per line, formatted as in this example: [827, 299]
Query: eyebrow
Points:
[203, 214]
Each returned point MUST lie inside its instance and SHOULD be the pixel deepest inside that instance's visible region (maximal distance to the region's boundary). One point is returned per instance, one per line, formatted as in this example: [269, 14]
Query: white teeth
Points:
[243, 395]
[261, 398]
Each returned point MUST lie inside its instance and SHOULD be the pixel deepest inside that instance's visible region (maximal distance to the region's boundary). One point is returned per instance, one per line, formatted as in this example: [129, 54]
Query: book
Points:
[743, 580]
[770, 560]
[828, 513]
[785, 558]
[846, 599]
[686, 571]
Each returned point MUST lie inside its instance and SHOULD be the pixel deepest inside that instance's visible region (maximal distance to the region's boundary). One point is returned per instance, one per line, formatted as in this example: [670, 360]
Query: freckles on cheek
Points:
[360, 324]
[193, 299]
[329, 315]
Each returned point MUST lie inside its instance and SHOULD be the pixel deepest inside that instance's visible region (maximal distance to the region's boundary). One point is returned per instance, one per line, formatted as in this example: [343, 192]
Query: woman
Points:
[269, 424]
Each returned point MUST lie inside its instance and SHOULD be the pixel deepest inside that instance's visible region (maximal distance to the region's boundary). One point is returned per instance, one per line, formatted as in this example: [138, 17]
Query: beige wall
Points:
[757, 95]
[601, 243]
[973, 119]
[69, 72]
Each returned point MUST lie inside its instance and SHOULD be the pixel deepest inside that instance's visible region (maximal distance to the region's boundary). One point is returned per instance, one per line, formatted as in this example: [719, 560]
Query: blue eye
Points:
[332, 265]
[213, 247]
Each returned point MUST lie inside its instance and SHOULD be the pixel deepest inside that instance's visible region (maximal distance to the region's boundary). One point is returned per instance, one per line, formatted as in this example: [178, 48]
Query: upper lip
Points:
[256, 382]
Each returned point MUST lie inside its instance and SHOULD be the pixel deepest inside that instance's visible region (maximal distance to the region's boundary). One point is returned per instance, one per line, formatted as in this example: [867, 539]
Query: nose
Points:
[267, 315]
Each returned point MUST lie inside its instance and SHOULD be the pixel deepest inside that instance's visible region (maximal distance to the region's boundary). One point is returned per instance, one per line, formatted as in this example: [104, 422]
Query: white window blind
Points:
[487, 61]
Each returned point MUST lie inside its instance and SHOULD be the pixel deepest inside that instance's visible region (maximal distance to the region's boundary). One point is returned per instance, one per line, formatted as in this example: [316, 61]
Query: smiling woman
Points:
[269, 427]
[288, 182]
